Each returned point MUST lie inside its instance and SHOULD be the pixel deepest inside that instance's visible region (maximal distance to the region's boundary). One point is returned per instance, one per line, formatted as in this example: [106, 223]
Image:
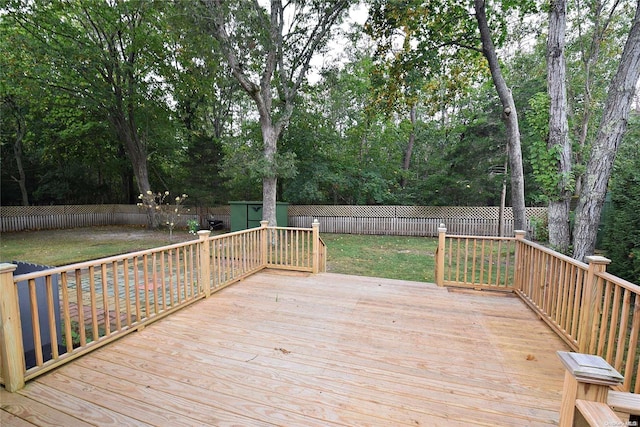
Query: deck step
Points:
[627, 403]
[597, 414]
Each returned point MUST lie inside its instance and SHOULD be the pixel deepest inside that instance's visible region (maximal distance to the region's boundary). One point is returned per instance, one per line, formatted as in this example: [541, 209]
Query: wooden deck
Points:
[293, 349]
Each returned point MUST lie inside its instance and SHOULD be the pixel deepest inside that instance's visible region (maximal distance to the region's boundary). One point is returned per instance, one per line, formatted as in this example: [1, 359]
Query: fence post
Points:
[442, 233]
[11, 348]
[205, 261]
[590, 301]
[519, 258]
[265, 239]
[315, 255]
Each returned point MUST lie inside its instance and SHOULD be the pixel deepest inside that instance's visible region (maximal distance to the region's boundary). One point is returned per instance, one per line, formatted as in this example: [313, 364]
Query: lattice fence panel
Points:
[394, 220]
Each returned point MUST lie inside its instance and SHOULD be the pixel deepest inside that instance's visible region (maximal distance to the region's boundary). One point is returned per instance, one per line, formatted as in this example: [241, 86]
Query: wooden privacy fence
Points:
[81, 307]
[381, 220]
[591, 310]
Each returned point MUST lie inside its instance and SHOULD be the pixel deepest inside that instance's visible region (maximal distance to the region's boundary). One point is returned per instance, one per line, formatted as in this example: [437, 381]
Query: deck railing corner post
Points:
[205, 261]
[519, 259]
[264, 238]
[11, 347]
[315, 226]
[590, 301]
[442, 234]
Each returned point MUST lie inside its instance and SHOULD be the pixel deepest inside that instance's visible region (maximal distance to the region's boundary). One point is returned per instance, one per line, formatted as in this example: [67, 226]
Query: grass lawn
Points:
[62, 247]
[394, 257]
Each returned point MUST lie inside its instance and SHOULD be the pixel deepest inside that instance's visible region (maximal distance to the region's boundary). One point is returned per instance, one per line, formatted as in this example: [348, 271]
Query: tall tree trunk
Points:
[406, 161]
[270, 179]
[22, 178]
[558, 210]
[17, 151]
[589, 55]
[509, 116]
[503, 199]
[128, 135]
[612, 127]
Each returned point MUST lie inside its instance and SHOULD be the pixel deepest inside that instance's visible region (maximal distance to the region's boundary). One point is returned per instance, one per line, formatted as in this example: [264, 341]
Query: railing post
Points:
[442, 234]
[315, 255]
[586, 377]
[519, 259]
[205, 261]
[11, 348]
[264, 241]
[591, 299]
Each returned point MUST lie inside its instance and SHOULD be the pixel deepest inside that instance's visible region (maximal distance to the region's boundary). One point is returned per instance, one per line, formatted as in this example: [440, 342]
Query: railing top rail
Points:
[619, 281]
[235, 233]
[465, 236]
[291, 228]
[555, 254]
[254, 229]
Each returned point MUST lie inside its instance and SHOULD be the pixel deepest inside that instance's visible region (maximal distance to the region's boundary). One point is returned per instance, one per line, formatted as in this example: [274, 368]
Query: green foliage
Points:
[347, 138]
[193, 226]
[622, 224]
[544, 160]
[75, 333]
[540, 229]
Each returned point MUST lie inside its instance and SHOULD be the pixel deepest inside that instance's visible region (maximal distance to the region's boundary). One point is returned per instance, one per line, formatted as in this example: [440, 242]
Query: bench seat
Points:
[598, 414]
[627, 403]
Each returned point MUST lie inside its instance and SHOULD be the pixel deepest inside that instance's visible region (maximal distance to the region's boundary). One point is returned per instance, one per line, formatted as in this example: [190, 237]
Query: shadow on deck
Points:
[295, 349]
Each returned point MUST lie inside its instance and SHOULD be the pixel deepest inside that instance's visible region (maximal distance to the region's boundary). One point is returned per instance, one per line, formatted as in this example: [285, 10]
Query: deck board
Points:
[315, 350]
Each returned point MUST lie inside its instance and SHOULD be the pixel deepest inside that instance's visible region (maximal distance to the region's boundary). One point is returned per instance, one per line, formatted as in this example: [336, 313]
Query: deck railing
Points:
[88, 304]
[591, 310]
[474, 261]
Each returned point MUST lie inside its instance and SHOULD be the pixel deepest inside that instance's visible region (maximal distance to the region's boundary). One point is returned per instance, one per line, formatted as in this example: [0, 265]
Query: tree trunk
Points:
[509, 116]
[17, 151]
[558, 210]
[503, 199]
[406, 161]
[612, 127]
[270, 179]
[128, 135]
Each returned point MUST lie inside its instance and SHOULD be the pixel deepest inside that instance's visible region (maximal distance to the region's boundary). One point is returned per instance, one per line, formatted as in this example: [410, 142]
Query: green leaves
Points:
[621, 218]
[544, 159]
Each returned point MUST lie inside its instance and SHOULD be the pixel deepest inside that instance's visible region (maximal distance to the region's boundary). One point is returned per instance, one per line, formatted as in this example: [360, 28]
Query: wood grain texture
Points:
[597, 414]
[280, 348]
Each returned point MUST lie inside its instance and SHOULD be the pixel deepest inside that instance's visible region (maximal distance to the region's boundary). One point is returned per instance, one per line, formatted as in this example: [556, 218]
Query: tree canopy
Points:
[221, 100]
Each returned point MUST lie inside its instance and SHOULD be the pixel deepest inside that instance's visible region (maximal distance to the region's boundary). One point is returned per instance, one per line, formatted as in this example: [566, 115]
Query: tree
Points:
[622, 223]
[509, 116]
[106, 55]
[610, 132]
[11, 108]
[445, 31]
[14, 102]
[267, 48]
[558, 143]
